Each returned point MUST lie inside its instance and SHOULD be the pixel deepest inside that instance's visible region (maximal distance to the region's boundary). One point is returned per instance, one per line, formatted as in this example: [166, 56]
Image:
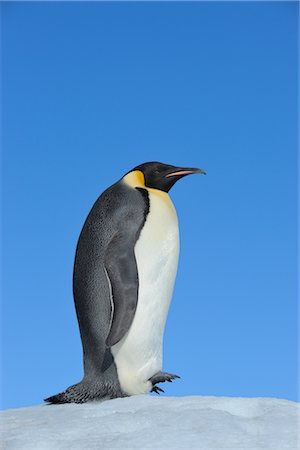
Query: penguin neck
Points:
[136, 179]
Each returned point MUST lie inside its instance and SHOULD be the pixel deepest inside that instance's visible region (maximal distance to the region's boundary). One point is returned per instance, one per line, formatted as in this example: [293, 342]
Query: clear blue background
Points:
[90, 91]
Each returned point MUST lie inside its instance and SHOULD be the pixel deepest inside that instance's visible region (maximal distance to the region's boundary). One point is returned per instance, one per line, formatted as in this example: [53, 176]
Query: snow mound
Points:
[144, 422]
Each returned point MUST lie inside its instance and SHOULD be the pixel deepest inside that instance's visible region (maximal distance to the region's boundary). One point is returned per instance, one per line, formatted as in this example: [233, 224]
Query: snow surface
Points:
[144, 422]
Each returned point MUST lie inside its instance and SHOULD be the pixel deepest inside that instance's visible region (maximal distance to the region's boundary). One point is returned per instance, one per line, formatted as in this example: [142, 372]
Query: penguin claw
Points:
[157, 390]
[161, 377]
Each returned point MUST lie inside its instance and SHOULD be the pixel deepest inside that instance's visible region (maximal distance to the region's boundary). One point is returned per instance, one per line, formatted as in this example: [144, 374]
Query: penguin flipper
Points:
[121, 268]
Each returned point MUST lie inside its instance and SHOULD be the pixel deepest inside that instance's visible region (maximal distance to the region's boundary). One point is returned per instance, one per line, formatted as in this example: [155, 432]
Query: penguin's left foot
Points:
[161, 377]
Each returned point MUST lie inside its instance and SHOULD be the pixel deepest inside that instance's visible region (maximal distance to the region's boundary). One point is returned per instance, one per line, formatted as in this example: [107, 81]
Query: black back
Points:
[105, 264]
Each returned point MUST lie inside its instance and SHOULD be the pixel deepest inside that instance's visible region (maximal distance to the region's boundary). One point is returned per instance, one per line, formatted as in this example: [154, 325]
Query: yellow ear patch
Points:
[135, 179]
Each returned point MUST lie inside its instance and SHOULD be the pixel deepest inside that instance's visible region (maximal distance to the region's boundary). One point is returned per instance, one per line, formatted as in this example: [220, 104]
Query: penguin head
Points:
[163, 176]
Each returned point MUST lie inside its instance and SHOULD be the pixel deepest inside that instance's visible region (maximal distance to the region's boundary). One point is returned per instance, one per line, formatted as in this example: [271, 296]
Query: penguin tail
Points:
[85, 391]
[78, 393]
[57, 399]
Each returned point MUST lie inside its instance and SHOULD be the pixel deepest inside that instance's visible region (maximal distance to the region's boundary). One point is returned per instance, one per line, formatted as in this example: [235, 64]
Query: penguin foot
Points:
[157, 390]
[161, 377]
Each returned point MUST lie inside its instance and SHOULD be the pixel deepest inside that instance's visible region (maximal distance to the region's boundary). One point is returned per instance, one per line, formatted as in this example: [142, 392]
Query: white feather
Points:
[138, 356]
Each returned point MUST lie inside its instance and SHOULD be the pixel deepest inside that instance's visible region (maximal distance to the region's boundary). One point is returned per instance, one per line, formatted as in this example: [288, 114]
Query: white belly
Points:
[138, 356]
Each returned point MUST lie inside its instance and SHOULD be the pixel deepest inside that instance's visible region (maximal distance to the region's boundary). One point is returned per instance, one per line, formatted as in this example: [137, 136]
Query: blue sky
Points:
[92, 89]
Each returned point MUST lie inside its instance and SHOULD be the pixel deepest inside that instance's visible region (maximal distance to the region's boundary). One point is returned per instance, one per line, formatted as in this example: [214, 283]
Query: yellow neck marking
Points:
[135, 179]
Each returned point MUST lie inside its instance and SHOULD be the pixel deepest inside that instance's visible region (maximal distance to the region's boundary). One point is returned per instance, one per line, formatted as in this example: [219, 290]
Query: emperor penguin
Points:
[124, 272]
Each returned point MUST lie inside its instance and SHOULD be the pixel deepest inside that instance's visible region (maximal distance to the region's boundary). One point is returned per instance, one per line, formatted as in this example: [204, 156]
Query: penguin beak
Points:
[181, 172]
